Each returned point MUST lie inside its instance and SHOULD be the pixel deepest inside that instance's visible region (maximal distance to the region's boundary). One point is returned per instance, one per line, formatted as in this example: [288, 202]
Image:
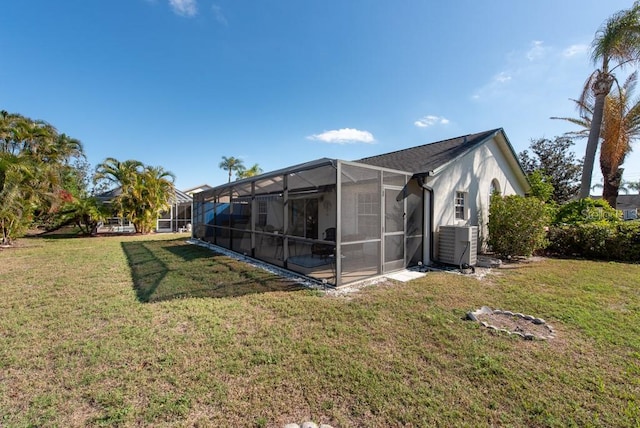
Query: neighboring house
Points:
[113, 224]
[177, 218]
[193, 190]
[340, 221]
[629, 205]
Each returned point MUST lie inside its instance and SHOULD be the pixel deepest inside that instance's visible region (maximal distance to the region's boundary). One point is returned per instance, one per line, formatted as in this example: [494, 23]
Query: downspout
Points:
[423, 184]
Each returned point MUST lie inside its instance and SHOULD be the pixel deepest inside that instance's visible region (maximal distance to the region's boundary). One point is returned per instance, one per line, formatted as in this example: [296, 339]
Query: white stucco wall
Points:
[473, 173]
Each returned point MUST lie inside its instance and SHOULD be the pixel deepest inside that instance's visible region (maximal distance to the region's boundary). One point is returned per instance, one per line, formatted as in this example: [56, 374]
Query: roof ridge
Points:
[476, 134]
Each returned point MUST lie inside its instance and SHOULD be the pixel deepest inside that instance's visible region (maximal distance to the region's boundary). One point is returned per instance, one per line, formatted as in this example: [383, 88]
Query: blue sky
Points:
[181, 83]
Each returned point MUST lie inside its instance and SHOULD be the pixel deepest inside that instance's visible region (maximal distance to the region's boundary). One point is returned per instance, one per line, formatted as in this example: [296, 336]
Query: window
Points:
[461, 206]
[262, 213]
[303, 218]
[495, 187]
[368, 215]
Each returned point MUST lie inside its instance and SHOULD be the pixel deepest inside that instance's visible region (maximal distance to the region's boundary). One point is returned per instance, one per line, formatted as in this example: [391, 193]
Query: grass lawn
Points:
[151, 331]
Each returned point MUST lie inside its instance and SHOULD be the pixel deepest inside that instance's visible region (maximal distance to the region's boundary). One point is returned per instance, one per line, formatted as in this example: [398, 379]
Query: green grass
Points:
[151, 331]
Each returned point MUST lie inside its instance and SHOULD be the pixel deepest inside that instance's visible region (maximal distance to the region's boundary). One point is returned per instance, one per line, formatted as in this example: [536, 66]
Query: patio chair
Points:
[325, 250]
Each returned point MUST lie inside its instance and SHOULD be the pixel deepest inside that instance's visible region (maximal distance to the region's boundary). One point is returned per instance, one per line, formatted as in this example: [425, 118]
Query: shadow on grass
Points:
[62, 233]
[166, 270]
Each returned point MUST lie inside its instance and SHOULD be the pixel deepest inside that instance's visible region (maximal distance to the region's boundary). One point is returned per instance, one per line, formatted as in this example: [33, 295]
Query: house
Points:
[177, 218]
[339, 221]
[629, 205]
[197, 189]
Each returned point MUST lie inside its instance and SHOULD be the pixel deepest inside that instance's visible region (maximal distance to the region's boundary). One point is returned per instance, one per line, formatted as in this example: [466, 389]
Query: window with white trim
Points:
[460, 205]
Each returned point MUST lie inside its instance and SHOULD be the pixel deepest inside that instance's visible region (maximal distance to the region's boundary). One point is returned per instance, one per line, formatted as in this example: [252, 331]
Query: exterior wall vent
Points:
[458, 245]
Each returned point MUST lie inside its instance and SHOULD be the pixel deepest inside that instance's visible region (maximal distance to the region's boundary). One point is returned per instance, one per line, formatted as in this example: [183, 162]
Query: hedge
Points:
[599, 240]
[516, 225]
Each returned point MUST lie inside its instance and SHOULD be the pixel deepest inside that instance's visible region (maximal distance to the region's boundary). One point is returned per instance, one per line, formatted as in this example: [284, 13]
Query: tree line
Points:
[36, 171]
[45, 178]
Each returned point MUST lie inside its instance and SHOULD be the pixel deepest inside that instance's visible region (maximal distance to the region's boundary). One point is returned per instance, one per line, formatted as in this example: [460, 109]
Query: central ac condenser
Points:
[458, 245]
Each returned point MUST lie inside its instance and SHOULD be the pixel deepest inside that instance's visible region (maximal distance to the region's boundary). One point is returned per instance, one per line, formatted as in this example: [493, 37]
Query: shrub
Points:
[517, 225]
[599, 240]
[587, 211]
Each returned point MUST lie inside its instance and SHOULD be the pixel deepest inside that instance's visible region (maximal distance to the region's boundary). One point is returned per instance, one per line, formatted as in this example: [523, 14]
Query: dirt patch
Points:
[525, 326]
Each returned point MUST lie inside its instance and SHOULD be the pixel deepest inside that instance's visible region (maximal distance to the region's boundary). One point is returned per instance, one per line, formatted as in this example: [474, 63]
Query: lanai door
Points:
[393, 231]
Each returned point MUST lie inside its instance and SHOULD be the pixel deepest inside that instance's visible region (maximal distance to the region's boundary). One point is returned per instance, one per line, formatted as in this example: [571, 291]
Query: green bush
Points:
[599, 240]
[517, 225]
[585, 211]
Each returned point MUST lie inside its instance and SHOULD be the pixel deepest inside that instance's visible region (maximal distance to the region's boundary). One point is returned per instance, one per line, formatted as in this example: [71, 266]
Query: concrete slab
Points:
[405, 275]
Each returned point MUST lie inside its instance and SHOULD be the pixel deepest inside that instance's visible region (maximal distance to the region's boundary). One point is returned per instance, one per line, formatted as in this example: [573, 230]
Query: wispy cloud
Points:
[536, 51]
[430, 120]
[502, 77]
[497, 83]
[184, 7]
[536, 65]
[217, 13]
[574, 50]
[344, 136]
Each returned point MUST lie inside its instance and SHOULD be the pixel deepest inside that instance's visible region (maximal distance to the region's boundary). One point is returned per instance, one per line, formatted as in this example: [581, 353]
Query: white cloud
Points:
[184, 7]
[217, 13]
[574, 50]
[537, 51]
[343, 136]
[502, 77]
[430, 120]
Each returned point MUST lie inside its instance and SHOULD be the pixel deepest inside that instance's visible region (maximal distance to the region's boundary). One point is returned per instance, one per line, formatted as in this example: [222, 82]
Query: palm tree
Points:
[153, 193]
[620, 127]
[120, 174]
[634, 185]
[16, 194]
[65, 148]
[251, 172]
[616, 44]
[231, 164]
[34, 158]
[145, 190]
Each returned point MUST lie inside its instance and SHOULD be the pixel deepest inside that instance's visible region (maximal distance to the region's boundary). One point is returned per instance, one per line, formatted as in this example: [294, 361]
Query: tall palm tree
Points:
[620, 127]
[231, 164]
[634, 185]
[616, 44]
[250, 172]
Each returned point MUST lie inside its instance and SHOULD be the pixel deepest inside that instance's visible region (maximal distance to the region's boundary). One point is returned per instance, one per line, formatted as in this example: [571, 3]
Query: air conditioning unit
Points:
[458, 245]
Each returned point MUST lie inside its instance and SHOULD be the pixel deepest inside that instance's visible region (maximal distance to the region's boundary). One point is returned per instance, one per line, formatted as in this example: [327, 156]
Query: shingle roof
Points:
[628, 202]
[180, 197]
[428, 157]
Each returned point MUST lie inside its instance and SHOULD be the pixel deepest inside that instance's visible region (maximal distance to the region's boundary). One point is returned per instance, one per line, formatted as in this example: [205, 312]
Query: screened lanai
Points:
[330, 220]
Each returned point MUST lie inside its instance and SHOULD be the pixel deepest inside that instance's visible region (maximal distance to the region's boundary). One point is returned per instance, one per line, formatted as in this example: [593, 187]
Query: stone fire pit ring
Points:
[527, 327]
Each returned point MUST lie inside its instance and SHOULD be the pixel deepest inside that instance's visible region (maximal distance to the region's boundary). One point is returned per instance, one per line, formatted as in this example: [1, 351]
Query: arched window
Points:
[495, 187]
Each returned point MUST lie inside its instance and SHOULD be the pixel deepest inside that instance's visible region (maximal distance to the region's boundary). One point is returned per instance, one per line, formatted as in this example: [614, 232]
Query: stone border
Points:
[485, 310]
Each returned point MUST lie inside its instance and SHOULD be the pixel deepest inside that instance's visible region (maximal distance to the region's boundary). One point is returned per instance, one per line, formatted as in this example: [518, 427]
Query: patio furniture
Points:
[325, 250]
